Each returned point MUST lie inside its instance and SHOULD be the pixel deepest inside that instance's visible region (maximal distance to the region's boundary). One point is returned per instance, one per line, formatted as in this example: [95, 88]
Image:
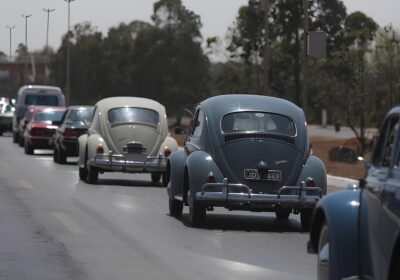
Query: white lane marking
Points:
[25, 184]
[68, 223]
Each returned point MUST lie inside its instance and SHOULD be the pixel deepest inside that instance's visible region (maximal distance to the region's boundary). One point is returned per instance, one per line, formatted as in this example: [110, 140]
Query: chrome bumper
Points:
[225, 194]
[120, 163]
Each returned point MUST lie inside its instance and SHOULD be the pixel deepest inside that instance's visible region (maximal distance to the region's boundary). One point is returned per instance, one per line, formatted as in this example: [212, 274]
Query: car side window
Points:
[198, 123]
[386, 143]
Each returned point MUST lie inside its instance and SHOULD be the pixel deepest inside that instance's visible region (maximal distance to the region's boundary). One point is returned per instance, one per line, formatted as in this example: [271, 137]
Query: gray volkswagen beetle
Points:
[126, 134]
[246, 152]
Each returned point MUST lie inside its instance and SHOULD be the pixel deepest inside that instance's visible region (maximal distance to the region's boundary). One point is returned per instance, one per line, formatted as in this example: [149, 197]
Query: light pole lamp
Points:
[48, 11]
[68, 54]
[10, 28]
[26, 29]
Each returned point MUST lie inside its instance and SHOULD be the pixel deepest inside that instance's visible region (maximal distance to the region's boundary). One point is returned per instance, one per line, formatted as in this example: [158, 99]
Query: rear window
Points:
[132, 114]
[45, 100]
[48, 116]
[258, 122]
[80, 116]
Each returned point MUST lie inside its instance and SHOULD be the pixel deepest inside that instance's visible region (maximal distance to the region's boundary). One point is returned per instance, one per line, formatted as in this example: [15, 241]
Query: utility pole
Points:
[68, 86]
[26, 30]
[266, 49]
[305, 59]
[48, 11]
[10, 28]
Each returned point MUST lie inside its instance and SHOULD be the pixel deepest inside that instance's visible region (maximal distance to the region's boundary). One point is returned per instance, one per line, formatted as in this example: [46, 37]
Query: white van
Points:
[35, 95]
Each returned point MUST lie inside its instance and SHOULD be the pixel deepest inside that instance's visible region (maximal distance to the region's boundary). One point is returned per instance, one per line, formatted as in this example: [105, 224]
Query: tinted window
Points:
[198, 124]
[385, 145]
[79, 116]
[48, 116]
[258, 122]
[46, 100]
[131, 114]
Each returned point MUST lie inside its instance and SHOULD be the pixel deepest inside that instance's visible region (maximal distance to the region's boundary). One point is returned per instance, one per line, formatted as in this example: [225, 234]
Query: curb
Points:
[339, 182]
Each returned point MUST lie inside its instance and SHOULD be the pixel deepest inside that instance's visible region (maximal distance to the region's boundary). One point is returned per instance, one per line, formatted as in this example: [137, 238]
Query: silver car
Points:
[127, 134]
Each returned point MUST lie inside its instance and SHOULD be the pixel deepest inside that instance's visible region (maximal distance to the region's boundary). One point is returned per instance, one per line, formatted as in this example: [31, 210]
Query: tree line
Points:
[168, 60]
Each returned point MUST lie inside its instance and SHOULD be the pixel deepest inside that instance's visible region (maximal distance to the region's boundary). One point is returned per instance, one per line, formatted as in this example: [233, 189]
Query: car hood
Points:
[238, 155]
[119, 135]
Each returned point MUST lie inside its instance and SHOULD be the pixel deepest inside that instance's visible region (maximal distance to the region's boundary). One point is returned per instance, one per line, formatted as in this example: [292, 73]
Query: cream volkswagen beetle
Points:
[127, 134]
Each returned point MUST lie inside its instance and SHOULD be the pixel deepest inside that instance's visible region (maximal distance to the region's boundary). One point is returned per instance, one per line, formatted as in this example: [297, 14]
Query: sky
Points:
[216, 15]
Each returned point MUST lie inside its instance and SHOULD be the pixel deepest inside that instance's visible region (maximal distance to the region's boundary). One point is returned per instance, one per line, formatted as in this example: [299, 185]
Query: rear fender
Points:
[315, 168]
[339, 210]
[93, 141]
[200, 165]
[82, 140]
[176, 169]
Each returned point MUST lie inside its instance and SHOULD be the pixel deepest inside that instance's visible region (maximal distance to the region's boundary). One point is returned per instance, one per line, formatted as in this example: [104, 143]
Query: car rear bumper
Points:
[40, 142]
[227, 194]
[120, 163]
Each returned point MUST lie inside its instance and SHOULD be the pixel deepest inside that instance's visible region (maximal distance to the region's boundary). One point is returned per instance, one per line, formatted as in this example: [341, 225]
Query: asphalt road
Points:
[53, 226]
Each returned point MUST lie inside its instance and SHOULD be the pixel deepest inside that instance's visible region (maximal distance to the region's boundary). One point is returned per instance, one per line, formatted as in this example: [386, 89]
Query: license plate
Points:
[270, 175]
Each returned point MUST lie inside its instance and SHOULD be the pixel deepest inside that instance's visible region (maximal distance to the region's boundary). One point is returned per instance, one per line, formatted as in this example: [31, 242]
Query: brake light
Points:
[310, 182]
[100, 149]
[71, 133]
[210, 178]
[167, 151]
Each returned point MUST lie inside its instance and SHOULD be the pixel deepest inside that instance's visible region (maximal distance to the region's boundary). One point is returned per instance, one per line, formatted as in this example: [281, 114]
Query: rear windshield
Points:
[132, 114]
[258, 122]
[45, 100]
[80, 116]
[48, 116]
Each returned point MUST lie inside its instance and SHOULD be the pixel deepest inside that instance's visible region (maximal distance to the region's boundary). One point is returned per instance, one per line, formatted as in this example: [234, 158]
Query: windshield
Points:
[48, 116]
[132, 114]
[80, 116]
[258, 122]
[45, 100]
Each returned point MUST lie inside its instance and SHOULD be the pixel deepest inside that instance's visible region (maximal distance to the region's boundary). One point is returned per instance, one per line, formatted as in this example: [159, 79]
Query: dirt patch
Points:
[321, 147]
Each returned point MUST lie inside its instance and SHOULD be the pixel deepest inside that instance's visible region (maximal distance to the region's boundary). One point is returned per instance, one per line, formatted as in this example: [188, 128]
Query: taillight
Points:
[210, 178]
[310, 182]
[100, 149]
[167, 151]
[71, 133]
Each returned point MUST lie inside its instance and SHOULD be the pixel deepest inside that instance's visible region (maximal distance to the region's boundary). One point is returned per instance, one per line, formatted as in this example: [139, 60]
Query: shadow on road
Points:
[238, 222]
[129, 183]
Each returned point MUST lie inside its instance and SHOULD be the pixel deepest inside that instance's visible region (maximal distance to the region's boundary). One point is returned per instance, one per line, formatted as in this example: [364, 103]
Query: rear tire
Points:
[15, 137]
[55, 156]
[21, 141]
[1, 132]
[305, 219]
[62, 157]
[197, 214]
[92, 175]
[155, 177]
[282, 214]
[83, 173]
[175, 208]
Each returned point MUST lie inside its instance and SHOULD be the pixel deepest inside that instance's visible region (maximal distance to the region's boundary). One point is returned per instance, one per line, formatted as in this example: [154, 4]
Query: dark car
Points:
[246, 152]
[40, 130]
[75, 122]
[7, 109]
[356, 232]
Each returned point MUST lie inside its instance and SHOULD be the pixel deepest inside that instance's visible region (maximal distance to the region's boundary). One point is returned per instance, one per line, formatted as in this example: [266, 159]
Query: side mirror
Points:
[179, 130]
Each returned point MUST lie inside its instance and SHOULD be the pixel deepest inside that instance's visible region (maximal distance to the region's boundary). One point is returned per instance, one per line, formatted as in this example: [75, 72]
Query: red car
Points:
[40, 130]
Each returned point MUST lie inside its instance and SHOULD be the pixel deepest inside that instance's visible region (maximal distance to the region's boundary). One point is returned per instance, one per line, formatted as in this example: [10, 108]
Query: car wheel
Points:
[155, 177]
[83, 173]
[165, 179]
[62, 157]
[55, 156]
[15, 137]
[21, 141]
[28, 148]
[282, 214]
[197, 214]
[92, 175]
[323, 254]
[1, 132]
[175, 207]
[305, 219]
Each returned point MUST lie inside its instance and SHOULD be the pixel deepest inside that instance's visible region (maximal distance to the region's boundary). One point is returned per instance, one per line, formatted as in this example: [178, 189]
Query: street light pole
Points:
[68, 54]
[48, 11]
[305, 59]
[26, 30]
[266, 50]
[10, 28]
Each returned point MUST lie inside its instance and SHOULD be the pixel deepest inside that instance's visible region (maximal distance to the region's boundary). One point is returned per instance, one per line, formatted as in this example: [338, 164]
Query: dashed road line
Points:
[68, 223]
[25, 184]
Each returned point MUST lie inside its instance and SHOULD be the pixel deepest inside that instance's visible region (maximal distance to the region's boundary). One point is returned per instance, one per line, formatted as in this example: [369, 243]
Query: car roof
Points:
[38, 87]
[36, 108]
[106, 104]
[77, 107]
